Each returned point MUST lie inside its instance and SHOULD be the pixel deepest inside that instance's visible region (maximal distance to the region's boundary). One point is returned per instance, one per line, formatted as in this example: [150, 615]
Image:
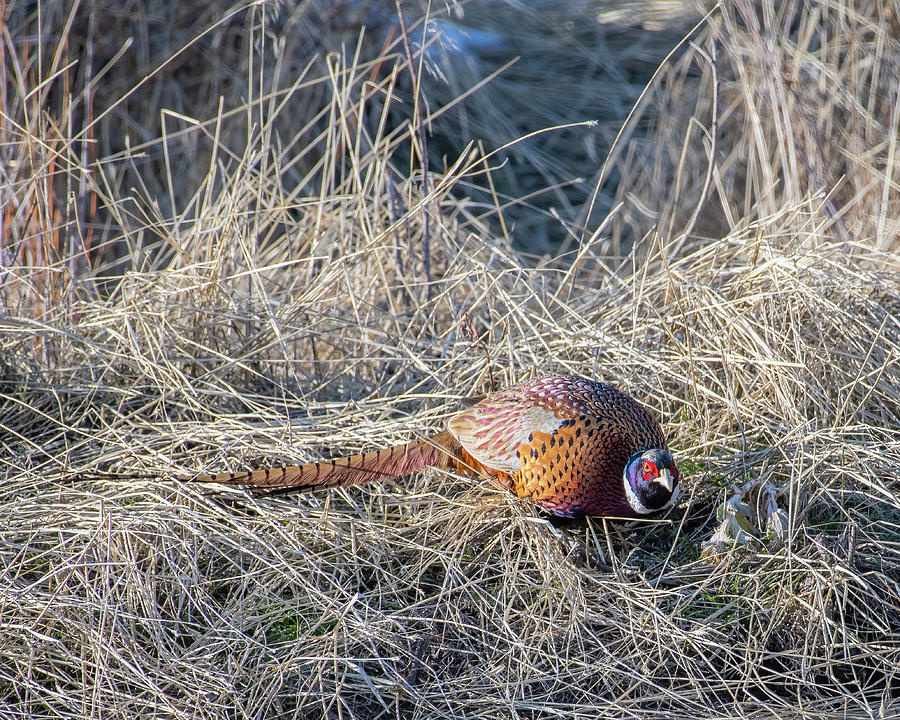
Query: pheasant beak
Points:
[665, 479]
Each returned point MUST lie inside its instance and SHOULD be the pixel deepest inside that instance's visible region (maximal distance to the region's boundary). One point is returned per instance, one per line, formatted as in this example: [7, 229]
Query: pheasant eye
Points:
[647, 467]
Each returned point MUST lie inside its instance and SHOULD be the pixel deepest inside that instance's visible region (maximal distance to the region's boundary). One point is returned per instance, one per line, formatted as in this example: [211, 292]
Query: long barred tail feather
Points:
[441, 450]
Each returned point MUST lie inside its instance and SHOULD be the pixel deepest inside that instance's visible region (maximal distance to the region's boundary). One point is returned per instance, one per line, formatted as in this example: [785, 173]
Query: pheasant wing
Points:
[494, 429]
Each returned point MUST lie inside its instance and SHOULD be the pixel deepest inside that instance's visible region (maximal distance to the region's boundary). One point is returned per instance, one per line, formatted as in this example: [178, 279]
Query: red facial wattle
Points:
[648, 471]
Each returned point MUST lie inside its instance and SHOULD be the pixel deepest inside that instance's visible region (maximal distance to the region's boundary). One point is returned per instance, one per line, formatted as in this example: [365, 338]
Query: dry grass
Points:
[268, 304]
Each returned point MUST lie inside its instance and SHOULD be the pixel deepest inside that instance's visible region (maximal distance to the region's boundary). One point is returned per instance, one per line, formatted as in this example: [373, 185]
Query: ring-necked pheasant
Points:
[572, 445]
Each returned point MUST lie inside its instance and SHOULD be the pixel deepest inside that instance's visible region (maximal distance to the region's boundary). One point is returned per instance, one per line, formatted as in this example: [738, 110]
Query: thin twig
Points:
[423, 146]
[712, 61]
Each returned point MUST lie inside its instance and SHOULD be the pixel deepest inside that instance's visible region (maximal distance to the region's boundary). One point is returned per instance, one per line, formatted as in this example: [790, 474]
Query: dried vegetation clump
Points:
[192, 284]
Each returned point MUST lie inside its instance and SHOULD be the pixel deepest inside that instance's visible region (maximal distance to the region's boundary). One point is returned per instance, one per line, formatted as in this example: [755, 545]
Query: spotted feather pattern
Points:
[559, 441]
[570, 458]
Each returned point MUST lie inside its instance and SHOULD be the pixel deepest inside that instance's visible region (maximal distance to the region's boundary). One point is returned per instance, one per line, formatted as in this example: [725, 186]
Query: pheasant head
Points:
[651, 481]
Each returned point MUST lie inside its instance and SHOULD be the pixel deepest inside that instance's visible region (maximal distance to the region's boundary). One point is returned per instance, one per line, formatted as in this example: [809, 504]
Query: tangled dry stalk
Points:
[273, 307]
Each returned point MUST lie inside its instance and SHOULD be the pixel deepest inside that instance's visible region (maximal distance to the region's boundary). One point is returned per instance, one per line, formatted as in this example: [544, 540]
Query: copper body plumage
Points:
[567, 443]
